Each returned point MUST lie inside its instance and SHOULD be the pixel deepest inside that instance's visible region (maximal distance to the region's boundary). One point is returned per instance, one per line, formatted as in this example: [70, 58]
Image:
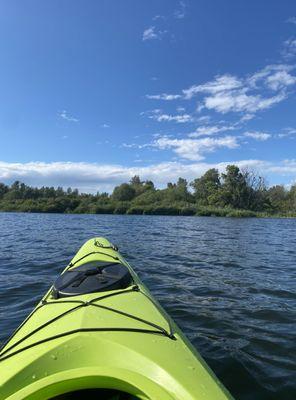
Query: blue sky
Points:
[94, 92]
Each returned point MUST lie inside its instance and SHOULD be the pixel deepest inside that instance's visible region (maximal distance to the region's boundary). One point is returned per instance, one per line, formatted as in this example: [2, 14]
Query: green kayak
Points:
[99, 334]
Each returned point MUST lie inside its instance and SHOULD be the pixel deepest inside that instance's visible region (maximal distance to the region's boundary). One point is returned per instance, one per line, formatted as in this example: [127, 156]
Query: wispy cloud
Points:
[194, 149]
[163, 96]
[161, 24]
[291, 20]
[261, 136]
[105, 126]
[280, 80]
[152, 33]
[240, 101]
[247, 117]
[247, 95]
[157, 17]
[205, 119]
[180, 118]
[67, 117]
[288, 132]
[289, 48]
[211, 130]
[274, 76]
[180, 12]
[219, 84]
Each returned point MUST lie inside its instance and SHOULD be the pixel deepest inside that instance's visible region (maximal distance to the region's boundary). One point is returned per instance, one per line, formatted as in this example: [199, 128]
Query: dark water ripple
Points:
[230, 284]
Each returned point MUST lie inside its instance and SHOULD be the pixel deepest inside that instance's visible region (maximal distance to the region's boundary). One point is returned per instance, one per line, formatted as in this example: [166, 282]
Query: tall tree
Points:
[123, 192]
[235, 188]
[206, 188]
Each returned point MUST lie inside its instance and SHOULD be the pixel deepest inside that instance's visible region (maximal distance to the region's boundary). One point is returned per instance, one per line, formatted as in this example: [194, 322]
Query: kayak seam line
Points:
[136, 330]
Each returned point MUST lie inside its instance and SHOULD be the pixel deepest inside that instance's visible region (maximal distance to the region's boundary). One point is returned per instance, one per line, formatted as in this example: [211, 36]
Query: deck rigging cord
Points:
[135, 288]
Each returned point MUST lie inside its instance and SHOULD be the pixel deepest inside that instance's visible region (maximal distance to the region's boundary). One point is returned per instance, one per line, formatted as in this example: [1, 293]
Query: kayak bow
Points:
[99, 334]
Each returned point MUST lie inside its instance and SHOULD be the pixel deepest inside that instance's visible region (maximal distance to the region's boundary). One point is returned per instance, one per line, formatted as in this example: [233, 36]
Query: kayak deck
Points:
[117, 340]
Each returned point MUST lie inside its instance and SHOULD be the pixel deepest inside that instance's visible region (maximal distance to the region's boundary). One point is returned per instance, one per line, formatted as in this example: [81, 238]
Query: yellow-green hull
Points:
[134, 348]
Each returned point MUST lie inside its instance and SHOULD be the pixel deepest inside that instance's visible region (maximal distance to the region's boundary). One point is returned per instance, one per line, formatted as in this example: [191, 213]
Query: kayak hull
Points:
[120, 339]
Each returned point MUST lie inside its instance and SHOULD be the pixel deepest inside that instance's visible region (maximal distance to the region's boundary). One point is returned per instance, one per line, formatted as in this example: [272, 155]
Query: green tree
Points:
[292, 198]
[124, 192]
[3, 190]
[277, 196]
[256, 194]
[136, 181]
[235, 189]
[207, 187]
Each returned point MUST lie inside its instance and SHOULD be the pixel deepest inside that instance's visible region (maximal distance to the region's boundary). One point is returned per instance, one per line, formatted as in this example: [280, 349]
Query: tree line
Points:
[234, 193]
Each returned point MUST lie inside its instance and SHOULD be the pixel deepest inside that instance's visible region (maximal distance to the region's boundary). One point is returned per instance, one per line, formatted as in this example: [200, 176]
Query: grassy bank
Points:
[128, 208]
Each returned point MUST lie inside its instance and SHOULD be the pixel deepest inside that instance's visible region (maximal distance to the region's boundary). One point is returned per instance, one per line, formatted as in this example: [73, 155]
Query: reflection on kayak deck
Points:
[95, 394]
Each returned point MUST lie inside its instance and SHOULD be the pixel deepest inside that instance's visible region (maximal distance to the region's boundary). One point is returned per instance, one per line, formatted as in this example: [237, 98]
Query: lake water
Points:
[230, 284]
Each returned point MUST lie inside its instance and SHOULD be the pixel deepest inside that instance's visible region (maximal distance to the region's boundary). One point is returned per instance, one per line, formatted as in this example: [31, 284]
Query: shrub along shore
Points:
[235, 193]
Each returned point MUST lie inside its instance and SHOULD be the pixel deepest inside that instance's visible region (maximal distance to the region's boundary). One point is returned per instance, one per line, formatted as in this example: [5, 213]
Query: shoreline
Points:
[219, 213]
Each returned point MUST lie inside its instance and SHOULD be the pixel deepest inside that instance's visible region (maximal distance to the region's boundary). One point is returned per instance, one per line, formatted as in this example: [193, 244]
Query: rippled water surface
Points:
[230, 284]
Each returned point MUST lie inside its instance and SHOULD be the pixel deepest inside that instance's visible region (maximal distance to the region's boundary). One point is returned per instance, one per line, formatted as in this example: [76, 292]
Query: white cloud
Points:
[194, 149]
[151, 112]
[211, 130]
[247, 117]
[180, 119]
[280, 80]
[275, 77]
[163, 96]
[289, 48]
[261, 136]
[156, 17]
[219, 84]
[248, 95]
[287, 132]
[284, 168]
[205, 119]
[149, 33]
[135, 145]
[90, 177]
[180, 12]
[105, 126]
[291, 20]
[152, 33]
[64, 115]
[239, 101]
